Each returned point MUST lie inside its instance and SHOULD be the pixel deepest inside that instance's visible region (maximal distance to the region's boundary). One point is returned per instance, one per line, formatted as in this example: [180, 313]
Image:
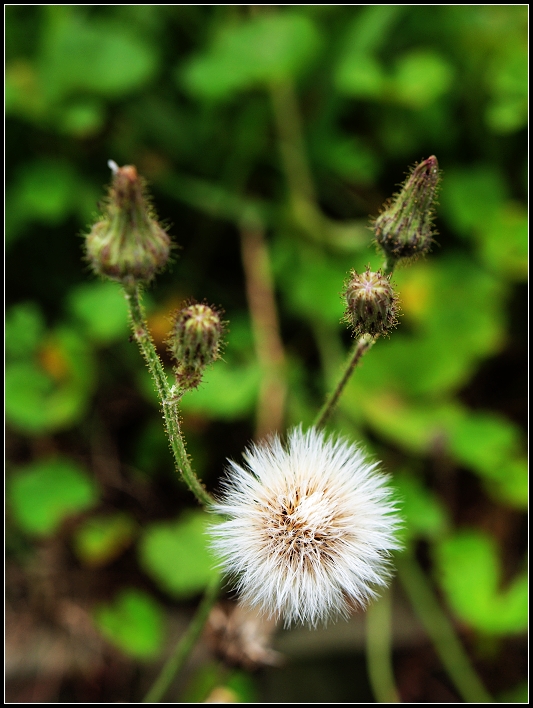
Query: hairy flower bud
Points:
[194, 342]
[404, 229]
[371, 304]
[127, 244]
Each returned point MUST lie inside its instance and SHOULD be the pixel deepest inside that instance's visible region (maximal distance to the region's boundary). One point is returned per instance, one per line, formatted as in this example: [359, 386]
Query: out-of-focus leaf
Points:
[226, 392]
[265, 48]
[176, 555]
[24, 329]
[503, 241]
[423, 514]
[469, 572]
[485, 443]
[420, 77]
[349, 157]
[51, 393]
[119, 60]
[134, 623]
[82, 118]
[471, 196]
[45, 191]
[460, 321]
[44, 494]
[512, 485]
[475, 201]
[101, 539]
[313, 284]
[518, 694]
[358, 71]
[102, 309]
[508, 80]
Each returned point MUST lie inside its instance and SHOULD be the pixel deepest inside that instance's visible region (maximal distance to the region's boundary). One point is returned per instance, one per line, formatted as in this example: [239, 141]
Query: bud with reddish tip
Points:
[195, 342]
[404, 229]
[127, 244]
[371, 303]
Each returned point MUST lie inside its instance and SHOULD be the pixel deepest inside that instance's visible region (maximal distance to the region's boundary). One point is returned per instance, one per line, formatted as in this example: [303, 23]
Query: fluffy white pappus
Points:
[310, 527]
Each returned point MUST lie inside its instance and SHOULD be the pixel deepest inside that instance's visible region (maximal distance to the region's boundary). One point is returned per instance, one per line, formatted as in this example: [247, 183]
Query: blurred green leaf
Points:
[420, 77]
[82, 118]
[423, 513]
[508, 80]
[134, 623]
[503, 242]
[45, 191]
[44, 494]
[265, 48]
[24, 330]
[176, 554]
[120, 61]
[102, 309]
[471, 196]
[469, 572]
[51, 392]
[101, 539]
[459, 321]
[226, 392]
[485, 442]
[358, 71]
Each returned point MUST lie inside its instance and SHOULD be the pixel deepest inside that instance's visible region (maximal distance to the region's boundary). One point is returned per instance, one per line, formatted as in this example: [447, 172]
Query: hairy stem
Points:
[441, 632]
[168, 397]
[379, 649]
[362, 345]
[185, 645]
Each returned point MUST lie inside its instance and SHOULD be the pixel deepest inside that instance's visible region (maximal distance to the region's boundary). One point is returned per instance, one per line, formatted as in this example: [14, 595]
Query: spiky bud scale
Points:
[371, 303]
[404, 229]
[126, 243]
[195, 342]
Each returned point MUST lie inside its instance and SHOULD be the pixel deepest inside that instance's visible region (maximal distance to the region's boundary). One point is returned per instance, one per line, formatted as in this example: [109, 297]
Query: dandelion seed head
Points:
[309, 530]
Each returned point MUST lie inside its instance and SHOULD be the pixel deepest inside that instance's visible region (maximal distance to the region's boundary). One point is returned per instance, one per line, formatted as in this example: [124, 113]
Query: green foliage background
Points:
[188, 95]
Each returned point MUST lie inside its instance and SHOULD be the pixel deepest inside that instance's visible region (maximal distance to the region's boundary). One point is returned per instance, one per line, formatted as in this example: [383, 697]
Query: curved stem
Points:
[181, 458]
[144, 340]
[361, 346]
[167, 394]
[441, 632]
[379, 649]
[185, 645]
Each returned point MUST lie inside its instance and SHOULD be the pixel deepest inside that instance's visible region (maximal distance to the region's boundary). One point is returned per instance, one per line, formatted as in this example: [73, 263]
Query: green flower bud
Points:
[195, 342]
[404, 229]
[371, 303]
[127, 244]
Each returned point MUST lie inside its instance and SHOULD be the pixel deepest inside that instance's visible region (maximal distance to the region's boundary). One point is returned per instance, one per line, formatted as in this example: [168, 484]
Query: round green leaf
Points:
[134, 623]
[44, 494]
[176, 555]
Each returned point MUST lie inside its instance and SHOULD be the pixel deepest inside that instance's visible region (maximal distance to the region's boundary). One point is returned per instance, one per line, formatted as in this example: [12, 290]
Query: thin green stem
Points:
[167, 394]
[362, 345]
[144, 340]
[389, 265]
[379, 649]
[183, 463]
[441, 632]
[185, 644]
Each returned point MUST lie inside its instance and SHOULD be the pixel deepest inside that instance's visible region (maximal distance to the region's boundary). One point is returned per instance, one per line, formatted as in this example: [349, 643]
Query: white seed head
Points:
[309, 528]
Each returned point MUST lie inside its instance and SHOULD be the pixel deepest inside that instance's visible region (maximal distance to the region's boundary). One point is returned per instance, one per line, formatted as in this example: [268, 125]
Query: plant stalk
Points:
[185, 645]
[167, 394]
[362, 345]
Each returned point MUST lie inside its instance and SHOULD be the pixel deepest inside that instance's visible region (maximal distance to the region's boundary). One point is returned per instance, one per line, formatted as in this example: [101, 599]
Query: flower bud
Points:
[404, 229]
[194, 342]
[127, 244]
[371, 304]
